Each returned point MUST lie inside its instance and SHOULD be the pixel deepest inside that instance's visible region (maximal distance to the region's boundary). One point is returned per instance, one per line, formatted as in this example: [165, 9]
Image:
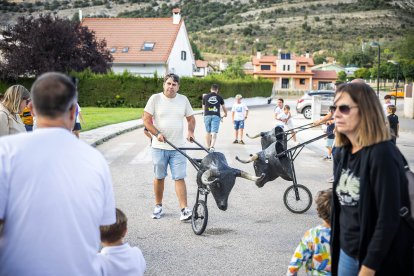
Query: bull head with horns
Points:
[268, 164]
[216, 174]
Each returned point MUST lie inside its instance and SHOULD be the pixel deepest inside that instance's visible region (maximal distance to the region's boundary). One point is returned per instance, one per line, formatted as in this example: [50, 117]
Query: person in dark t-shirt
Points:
[211, 107]
[393, 121]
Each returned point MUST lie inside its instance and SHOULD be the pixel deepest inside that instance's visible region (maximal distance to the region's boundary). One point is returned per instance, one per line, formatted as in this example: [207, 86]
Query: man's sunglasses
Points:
[344, 109]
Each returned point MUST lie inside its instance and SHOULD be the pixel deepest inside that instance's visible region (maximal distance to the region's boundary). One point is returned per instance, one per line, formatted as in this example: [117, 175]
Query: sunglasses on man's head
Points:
[344, 108]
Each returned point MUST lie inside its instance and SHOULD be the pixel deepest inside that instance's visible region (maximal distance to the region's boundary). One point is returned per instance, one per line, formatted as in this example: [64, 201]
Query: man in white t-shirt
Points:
[164, 116]
[55, 191]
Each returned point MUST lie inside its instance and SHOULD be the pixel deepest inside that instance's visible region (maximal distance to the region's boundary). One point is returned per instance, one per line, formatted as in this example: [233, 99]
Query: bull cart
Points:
[276, 160]
[213, 175]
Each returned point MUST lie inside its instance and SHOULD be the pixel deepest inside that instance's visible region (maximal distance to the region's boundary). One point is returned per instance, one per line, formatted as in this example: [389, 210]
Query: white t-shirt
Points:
[77, 113]
[55, 192]
[239, 110]
[278, 110]
[169, 114]
[286, 126]
[122, 260]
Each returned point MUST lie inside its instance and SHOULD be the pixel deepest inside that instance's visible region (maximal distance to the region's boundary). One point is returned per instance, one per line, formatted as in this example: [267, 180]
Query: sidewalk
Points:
[97, 136]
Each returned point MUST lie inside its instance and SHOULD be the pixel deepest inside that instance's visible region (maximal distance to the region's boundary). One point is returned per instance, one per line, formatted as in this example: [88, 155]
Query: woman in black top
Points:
[368, 235]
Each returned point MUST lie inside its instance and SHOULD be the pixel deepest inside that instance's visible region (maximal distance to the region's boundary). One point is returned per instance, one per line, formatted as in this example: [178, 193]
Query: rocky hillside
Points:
[244, 27]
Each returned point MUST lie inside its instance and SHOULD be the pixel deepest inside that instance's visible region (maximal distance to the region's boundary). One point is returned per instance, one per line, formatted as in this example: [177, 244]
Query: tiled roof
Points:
[308, 60]
[264, 59]
[327, 74]
[272, 59]
[201, 63]
[132, 33]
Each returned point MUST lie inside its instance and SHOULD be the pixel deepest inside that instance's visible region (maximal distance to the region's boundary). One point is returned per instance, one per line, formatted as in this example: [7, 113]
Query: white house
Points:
[146, 46]
[202, 68]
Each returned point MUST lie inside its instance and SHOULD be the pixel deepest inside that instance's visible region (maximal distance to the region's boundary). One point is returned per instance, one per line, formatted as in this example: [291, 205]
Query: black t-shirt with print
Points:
[347, 191]
[212, 103]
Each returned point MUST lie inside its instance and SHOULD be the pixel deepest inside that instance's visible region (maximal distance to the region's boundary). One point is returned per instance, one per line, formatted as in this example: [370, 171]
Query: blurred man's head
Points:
[214, 88]
[53, 94]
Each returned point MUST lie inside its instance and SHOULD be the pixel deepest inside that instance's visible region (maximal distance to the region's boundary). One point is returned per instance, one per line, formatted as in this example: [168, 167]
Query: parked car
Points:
[304, 104]
[399, 92]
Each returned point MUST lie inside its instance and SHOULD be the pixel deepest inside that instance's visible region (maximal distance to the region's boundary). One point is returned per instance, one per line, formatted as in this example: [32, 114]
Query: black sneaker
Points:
[235, 141]
[241, 142]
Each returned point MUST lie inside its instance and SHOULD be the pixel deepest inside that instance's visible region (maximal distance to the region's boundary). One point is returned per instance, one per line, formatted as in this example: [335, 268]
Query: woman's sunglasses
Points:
[344, 109]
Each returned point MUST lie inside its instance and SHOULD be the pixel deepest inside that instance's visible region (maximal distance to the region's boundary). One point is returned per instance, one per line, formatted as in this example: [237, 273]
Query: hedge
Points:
[112, 90]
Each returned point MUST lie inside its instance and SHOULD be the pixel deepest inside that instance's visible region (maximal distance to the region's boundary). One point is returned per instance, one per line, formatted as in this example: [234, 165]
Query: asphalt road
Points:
[255, 236]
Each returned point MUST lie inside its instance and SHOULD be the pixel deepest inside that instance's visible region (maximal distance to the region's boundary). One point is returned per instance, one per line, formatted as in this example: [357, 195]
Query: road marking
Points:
[112, 154]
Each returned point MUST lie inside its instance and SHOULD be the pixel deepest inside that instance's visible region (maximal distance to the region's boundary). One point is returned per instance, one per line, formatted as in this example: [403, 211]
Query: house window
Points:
[125, 50]
[183, 55]
[284, 67]
[288, 67]
[264, 67]
[302, 81]
[303, 68]
[148, 46]
[113, 50]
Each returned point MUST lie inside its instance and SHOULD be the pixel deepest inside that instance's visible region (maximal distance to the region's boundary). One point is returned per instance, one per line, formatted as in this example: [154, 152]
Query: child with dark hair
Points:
[393, 122]
[314, 250]
[117, 256]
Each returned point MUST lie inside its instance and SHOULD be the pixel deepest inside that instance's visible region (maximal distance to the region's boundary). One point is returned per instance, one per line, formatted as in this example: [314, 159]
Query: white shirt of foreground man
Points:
[55, 191]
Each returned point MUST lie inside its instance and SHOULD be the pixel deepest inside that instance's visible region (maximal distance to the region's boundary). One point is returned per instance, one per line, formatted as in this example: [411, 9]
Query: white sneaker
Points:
[158, 212]
[186, 214]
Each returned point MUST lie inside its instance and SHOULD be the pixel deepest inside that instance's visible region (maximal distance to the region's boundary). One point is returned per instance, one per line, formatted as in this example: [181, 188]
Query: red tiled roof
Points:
[132, 33]
[320, 74]
[272, 59]
[308, 60]
[201, 63]
[264, 59]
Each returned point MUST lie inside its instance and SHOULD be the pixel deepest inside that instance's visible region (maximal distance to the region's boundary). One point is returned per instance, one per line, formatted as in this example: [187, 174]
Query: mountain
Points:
[229, 28]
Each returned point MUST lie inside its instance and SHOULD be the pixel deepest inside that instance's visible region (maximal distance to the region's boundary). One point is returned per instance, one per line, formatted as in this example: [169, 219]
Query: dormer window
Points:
[125, 49]
[148, 46]
[113, 50]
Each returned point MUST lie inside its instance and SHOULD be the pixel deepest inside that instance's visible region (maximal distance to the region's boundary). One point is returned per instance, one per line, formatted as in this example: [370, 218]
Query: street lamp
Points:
[396, 83]
[376, 44]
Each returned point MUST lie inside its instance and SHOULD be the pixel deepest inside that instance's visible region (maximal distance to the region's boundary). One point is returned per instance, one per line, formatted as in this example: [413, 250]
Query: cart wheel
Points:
[200, 217]
[301, 205]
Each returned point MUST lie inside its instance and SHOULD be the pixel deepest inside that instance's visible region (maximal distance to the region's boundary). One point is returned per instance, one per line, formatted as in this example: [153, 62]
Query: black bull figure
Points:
[216, 174]
[266, 161]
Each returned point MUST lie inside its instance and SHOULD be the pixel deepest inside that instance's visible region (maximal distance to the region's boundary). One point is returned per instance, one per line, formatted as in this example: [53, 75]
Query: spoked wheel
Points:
[300, 204]
[200, 217]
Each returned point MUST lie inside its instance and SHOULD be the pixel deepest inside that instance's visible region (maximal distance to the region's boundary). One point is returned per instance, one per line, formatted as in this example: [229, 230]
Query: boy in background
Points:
[314, 249]
[117, 256]
[239, 113]
[393, 122]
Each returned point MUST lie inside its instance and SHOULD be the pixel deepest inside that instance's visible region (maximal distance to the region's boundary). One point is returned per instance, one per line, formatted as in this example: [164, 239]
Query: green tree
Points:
[362, 73]
[196, 51]
[342, 76]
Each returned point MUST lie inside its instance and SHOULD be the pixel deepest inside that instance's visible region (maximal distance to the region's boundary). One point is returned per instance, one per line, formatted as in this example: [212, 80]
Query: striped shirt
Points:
[168, 115]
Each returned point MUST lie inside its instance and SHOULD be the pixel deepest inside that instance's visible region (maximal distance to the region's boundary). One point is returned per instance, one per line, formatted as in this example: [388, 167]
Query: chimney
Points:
[176, 16]
[279, 54]
[259, 55]
[80, 16]
[307, 54]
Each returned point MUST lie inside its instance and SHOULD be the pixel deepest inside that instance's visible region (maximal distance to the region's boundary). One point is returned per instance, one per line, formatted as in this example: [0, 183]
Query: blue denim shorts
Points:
[162, 158]
[329, 142]
[212, 123]
[239, 124]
